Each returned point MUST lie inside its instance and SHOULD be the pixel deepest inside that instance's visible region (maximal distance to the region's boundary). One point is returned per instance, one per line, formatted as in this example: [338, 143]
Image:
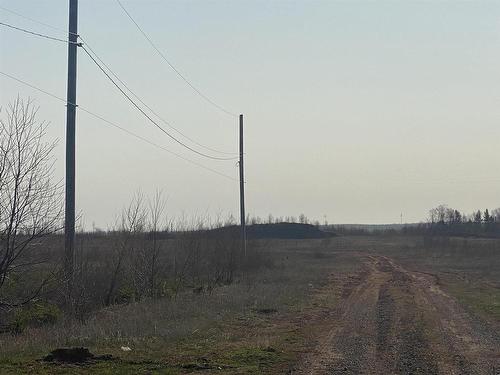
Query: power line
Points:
[171, 65]
[156, 145]
[148, 107]
[35, 21]
[114, 75]
[33, 87]
[118, 127]
[37, 34]
[149, 117]
[112, 72]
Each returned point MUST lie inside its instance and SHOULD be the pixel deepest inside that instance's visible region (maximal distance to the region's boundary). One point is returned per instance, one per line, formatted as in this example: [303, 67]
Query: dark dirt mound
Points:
[74, 355]
[266, 311]
[277, 230]
[286, 231]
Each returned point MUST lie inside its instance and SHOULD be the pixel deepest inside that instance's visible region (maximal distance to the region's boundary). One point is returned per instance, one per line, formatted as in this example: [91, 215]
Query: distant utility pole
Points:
[69, 220]
[242, 194]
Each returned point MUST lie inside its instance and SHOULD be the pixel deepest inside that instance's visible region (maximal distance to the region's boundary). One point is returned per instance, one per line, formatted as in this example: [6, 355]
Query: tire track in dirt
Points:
[396, 321]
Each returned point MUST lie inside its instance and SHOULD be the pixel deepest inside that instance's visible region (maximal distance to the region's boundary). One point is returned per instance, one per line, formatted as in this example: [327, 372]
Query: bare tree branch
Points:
[30, 203]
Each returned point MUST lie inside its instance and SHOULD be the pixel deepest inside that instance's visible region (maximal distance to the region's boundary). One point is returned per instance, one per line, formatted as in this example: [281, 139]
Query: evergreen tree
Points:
[486, 216]
[478, 217]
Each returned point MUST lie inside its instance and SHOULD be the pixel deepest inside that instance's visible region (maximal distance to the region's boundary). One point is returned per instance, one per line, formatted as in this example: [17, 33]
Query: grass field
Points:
[264, 322]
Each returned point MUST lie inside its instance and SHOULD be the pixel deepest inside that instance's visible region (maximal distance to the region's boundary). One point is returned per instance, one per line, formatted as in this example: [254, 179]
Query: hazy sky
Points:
[354, 110]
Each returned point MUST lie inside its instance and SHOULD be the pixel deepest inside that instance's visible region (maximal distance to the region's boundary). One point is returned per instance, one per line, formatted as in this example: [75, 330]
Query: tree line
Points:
[445, 215]
[447, 220]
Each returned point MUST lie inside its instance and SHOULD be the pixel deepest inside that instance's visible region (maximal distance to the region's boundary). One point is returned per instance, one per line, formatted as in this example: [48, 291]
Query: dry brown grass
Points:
[236, 323]
[294, 270]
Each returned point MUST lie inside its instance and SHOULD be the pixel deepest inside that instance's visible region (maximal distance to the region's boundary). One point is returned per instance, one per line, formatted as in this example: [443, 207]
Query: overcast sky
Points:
[354, 110]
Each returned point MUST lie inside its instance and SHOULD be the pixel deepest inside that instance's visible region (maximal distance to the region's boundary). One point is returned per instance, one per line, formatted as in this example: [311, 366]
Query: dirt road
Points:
[395, 321]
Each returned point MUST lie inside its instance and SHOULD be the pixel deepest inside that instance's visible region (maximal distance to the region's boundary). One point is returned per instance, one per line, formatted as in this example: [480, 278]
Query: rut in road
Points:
[394, 321]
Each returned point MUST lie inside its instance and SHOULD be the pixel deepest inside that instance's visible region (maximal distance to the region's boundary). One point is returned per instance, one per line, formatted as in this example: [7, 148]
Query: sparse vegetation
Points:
[245, 326]
[228, 326]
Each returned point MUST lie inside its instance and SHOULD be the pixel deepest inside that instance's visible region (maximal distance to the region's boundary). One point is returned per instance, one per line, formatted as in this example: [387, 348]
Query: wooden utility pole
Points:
[69, 220]
[242, 194]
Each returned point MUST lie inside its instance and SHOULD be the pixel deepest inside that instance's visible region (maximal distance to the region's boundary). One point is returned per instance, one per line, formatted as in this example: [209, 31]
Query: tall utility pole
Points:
[69, 221]
[242, 194]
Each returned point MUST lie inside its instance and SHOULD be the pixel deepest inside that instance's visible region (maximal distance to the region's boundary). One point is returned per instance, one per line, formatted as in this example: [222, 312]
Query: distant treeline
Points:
[443, 214]
[270, 219]
[446, 220]
[441, 220]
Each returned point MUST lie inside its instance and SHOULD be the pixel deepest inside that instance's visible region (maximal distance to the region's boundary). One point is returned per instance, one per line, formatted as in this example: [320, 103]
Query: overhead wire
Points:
[36, 21]
[149, 117]
[32, 86]
[114, 83]
[124, 84]
[37, 34]
[157, 145]
[117, 126]
[164, 58]
[110, 70]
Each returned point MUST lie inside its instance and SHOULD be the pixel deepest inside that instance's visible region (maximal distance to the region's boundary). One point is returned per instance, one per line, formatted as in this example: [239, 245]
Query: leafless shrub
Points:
[132, 223]
[30, 202]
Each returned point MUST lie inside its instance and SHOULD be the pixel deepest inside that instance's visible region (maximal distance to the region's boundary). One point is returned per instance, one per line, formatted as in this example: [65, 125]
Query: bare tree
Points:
[440, 214]
[132, 224]
[30, 202]
[156, 212]
[145, 260]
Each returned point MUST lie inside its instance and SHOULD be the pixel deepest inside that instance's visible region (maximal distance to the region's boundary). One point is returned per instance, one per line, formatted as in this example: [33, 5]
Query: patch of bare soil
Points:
[394, 321]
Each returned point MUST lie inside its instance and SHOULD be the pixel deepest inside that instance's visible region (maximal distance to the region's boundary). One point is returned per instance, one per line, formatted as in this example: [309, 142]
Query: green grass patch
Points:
[35, 315]
[480, 298]
[253, 359]
[101, 368]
